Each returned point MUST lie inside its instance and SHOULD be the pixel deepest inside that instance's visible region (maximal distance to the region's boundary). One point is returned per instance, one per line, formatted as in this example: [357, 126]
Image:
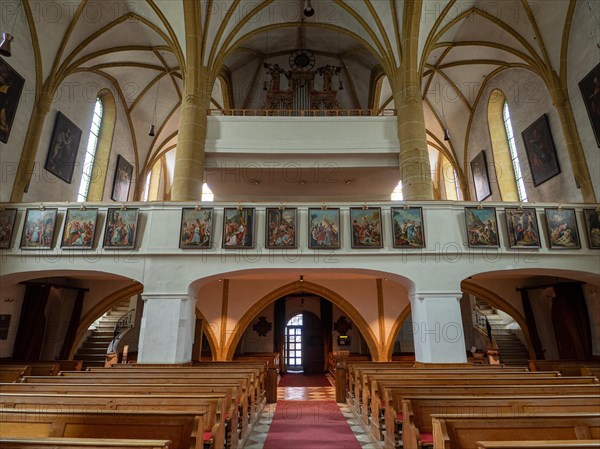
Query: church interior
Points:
[313, 224]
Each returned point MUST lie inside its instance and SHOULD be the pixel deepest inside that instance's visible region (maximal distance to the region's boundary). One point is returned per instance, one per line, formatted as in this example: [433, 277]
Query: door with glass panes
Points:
[293, 343]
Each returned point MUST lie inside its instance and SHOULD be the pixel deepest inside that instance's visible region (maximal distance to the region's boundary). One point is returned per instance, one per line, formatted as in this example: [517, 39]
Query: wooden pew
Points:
[236, 417]
[464, 431]
[181, 428]
[540, 444]
[373, 398]
[211, 406]
[590, 371]
[394, 418]
[417, 411]
[12, 373]
[81, 443]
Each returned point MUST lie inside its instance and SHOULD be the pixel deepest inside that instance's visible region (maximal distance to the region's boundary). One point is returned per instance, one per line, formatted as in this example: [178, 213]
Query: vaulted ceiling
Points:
[140, 47]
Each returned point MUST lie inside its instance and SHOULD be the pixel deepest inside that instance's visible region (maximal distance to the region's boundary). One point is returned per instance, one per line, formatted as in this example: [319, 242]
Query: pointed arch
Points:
[375, 348]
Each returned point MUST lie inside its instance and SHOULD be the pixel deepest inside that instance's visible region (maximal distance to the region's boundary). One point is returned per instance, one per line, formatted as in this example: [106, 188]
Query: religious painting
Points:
[324, 229]
[79, 229]
[366, 227]
[592, 226]
[238, 228]
[121, 228]
[523, 231]
[38, 229]
[64, 145]
[540, 151]
[196, 228]
[562, 228]
[122, 180]
[482, 227]
[590, 90]
[11, 86]
[7, 224]
[481, 180]
[407, 226]
[281, 228]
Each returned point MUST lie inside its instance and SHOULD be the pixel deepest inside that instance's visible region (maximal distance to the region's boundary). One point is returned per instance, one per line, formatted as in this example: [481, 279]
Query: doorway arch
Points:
[375, 348]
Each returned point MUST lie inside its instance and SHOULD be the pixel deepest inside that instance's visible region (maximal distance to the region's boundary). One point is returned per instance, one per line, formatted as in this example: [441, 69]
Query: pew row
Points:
[417, 411]
[81, 443]
[464, 431]
[181, 428]
[540, 444]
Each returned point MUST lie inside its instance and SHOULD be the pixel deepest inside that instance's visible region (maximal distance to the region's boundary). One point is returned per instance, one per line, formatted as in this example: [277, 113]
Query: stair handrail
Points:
[122, 326]
[481, 324]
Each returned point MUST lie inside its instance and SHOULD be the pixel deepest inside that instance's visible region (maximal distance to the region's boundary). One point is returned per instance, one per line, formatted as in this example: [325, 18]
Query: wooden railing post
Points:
[340, 375]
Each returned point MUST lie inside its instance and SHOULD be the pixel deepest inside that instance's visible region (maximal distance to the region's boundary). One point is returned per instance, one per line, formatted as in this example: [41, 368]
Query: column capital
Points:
[441, 295]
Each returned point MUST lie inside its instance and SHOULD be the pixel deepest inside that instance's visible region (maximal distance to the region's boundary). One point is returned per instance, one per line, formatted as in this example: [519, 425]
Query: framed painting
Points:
[482, 227]
[121, 227]
[79, 229]
[196, 228]
[562, 228]
[281, 229]
[540, 151]
[481, 181]
[592, 227]
[590, 90]
[64, 145]
[238, 228]
[324, 228]
[122, 180]
[366, 227]
[522, 226]
[11, 86]
[407, 227]
[38, 229]
[7, 224]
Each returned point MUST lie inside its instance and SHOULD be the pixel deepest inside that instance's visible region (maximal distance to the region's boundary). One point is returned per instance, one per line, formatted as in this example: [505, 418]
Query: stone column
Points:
[167, 328]
[30, 146]
[415, 170]
[574, 147]
[189, 160]
[438, 328]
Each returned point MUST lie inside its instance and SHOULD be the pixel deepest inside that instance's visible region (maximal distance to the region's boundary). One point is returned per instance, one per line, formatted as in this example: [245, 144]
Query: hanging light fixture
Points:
[7, 38]
[152, 133]
[308, 9]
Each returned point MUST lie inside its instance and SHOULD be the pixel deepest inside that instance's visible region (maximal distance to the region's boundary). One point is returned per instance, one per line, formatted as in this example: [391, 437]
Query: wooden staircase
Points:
[512, 351]
[93, 350]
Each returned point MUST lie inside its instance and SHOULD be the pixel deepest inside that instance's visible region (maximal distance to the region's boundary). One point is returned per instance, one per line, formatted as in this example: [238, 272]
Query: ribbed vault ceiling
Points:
[139, 46]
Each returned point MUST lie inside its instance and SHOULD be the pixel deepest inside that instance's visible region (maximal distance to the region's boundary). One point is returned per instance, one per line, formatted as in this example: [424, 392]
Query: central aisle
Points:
[307, 417]
[310, 425]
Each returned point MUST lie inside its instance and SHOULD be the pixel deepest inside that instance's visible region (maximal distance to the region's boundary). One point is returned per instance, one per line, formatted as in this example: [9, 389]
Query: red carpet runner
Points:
[302, 380]
[310, 425]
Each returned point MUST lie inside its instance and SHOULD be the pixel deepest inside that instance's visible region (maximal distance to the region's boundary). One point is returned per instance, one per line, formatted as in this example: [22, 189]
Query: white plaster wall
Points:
[528, 99]
[76, 98]
[583, 56]
[22, 61]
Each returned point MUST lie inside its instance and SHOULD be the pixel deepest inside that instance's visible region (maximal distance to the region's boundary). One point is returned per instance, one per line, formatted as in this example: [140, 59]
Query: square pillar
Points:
[167, 329]
[438, 328]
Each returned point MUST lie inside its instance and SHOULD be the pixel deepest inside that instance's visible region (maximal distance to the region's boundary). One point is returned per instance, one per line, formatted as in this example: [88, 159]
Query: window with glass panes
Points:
[293, 341]
[90, 152]
[513, 153]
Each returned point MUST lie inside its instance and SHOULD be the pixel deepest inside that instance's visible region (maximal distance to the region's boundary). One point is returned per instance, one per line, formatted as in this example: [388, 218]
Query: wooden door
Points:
[313, 357]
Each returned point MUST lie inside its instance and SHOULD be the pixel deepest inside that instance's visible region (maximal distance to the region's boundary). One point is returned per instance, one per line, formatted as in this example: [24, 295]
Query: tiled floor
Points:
[259, 434]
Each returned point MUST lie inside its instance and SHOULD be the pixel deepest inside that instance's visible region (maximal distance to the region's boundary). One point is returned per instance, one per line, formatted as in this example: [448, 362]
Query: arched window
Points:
[506, 162]
[90, 152]
[207, 194]
[513, 153]
[397, 193]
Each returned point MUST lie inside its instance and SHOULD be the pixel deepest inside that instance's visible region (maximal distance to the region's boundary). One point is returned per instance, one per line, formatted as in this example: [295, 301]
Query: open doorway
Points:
[293, 343]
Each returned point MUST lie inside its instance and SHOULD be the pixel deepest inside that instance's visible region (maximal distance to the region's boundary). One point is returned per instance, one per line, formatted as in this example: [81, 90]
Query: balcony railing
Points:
[303, 113]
